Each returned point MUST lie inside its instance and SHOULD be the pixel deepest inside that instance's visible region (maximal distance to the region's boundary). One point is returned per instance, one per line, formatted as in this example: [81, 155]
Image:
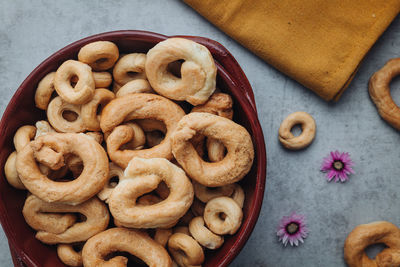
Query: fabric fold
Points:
[319, 43]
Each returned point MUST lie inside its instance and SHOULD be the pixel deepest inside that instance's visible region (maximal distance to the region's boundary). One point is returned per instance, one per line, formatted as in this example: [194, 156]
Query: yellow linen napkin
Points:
[319, 43]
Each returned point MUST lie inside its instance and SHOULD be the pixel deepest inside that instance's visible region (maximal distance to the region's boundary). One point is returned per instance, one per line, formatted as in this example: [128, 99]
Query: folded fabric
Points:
[319, 43]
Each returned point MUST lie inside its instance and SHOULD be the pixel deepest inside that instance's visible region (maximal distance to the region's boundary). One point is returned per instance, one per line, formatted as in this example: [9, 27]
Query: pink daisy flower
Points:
[337, 165]
[292, 229]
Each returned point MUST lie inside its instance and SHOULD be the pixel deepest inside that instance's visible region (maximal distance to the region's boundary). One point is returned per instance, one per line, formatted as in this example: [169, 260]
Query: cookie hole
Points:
[374, 250]
[69, 115]
[148, 199]
[296, 130]
[154, 138]
[222, 216]
[101, 61]
[394, 92]
[162, 190]
[81, 217]
[77, 247]
[134, 75]
[175, 68]
[98, 110]
[113, 182]
[73, 81]
[215, 154]
[75, 165]
[132, 260]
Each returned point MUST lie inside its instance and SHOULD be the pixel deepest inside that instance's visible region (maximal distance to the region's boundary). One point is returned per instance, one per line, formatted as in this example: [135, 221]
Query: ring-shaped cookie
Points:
[100, 55]
[90, 118]
[23, 136]
[365, 235]
[95, 211]
[231, 210]
[41, 220]
[139, 106]
[132, 241]
[44, 91]
[134, 87]
[69, 256]
[185, 250]
[205, 194]
[240, 151]
[10, 171]
[84, 88]
[198, 72]
[307, 123]
[91, 180]
[379, 91]
[203, 235]
[55, 115]
[144, 176]
[130, 67]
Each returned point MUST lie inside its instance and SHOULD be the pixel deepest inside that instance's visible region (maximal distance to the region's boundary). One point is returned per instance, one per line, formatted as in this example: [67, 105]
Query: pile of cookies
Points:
[124, 164]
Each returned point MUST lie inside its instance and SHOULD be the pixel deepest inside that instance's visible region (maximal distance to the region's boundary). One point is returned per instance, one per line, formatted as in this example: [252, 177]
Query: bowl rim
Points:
[237, 76]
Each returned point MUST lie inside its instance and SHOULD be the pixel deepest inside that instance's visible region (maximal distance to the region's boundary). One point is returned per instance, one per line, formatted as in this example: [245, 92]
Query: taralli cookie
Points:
[379, 91]
[89, 111]
[198, 71]
[91, 180]
[84, 88]
[130, 67]
[69, 255]
[144, 176]
[100, 55]
[115, 175]
[42, 220]
[94, 210]
[232, 211]
[205, 237]
[240, 152]
[132, 241]
[44, 91]
[56, 116]
[139, 106]
[205, 194]
[23, 136]
[365, 235]
[10, 170]
[134, 87]
[185, 250]
[307, 135]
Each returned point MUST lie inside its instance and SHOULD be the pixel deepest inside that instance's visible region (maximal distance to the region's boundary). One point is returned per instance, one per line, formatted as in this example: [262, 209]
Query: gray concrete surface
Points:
[30, 31]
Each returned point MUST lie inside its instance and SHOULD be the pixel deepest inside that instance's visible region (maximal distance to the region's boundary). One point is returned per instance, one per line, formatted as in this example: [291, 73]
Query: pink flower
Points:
[292, 229]
[337, 165]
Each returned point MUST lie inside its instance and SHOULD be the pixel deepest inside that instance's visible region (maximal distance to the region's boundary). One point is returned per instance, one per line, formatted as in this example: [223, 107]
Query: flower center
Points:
[292, 228]
[338, 165]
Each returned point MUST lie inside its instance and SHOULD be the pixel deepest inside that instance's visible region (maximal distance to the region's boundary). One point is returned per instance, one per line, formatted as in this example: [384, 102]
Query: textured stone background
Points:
[30, 31]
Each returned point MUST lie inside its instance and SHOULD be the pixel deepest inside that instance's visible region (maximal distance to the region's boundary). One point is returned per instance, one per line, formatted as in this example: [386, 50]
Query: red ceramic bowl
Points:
[25, 249]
